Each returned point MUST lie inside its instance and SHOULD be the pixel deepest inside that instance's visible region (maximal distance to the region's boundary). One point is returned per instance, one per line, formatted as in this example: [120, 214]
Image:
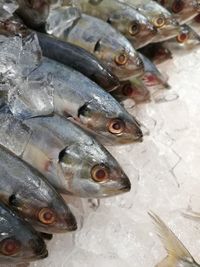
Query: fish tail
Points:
[176, 251]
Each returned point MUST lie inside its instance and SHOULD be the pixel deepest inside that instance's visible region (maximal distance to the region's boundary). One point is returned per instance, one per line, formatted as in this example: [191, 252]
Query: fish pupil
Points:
[100, 174]
[48, 216]
[116, 126]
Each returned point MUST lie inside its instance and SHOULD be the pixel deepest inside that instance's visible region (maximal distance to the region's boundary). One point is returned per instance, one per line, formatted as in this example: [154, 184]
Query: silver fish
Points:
[72, 161]
[187, 39]
[108, 45]
[126, 19]
[19, 242]
[78, 97]
[183, 10]
[26, 191]
[167, 26]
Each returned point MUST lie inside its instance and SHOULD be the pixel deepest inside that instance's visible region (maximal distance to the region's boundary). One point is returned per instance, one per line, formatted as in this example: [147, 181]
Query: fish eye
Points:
[121, 59]
[134, 28]
[182, 37]
[127, 90]
[177, 6]
[159, 22]
[100, 173]
[10, 246]
[116, 126]
[46, 216]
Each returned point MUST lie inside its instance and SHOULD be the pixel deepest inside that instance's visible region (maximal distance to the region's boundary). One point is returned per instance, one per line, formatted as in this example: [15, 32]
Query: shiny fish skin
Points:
[92, 107]
[66, 155]
[78, 58]
[23, 189]
[155, 12]
[28, 244]
[108, 45]
[183, 10]
[122, 17]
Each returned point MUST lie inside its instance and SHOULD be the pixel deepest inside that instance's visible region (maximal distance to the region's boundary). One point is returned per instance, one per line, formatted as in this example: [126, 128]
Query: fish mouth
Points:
[125, 185]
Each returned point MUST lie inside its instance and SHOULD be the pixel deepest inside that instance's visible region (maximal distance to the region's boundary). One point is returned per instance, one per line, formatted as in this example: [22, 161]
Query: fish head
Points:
[187, 37]
[166, 25]
[92, 172]
[110, 121]
[21, 243]
[135, 26]
[45, 209]
[117, 52]
[184, 10]
[132, 89]
[56, 219]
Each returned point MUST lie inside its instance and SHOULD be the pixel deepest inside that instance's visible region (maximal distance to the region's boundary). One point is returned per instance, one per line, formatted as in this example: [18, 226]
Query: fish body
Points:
[78, 97]
[29, 194]
[19, 242]
[126, 19]
[77, 58]
[167, 26]
[108, 45]
[183, 10]
[177, 254]
[72, 161]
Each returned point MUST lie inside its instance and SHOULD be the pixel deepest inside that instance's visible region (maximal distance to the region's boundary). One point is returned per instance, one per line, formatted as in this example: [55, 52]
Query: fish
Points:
[157, 53]
[182, 10]
[132, 89]
[34, 13]
[72, 161]
[187, 40]
[167, 26]
[177, 253]
[124, 18]
[77, 58]
[19, 242]
[29, 194]
[107, 44]
[93, 108]
[153, 77]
